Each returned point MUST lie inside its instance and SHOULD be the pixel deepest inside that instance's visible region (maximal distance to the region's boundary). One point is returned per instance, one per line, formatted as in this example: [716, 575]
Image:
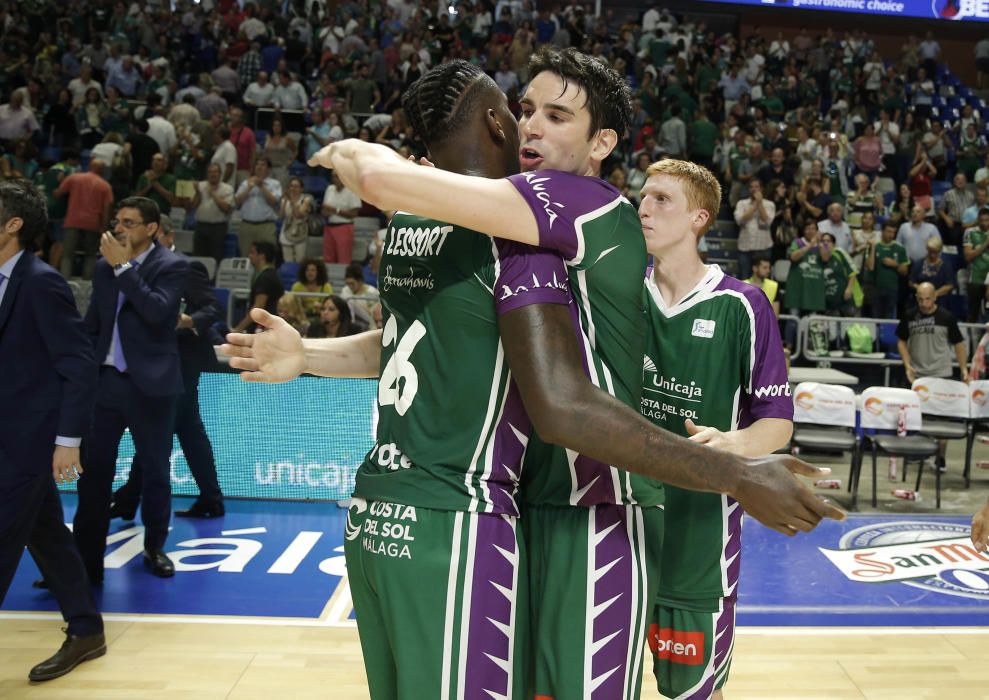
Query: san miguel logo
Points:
[932, 556]
[922, 391]
[805, 400]
[874, 406]
[979, 397]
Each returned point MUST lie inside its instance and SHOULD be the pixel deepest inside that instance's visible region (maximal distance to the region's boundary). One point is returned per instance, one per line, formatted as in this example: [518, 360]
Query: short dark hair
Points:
[760, 259]
[438, 103]
[354, 271]
[889, 223]
[320, 270]
[150, 212]
[267, 249]
[609, 99]
[20, 199]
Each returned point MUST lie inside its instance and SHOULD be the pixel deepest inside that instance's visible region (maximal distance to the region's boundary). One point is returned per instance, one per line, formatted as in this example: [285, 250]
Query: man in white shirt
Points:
[260, 93]
[17, 121]
[80, 86]
[340, 207]
[754, 216]
[225, 155]
[836, 225]
[257, 198]
[650, 19]
[289, 94]
[162, 130]
[213, 202]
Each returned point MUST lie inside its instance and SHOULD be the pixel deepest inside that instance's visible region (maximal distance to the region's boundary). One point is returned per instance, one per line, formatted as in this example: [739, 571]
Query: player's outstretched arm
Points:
[567, 410]
[279, 354]
[378, 175]
[980, 528]
[763, 437]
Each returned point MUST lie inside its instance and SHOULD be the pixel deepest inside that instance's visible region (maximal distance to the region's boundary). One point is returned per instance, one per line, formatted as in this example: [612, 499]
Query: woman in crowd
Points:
[334, 320]
[312, 280]
[290, 309]
[637, 177]
[280, 149]
[783, 227]
[295, 211]
[867, 152]
[921, 175]
[394, 134]
[899, 209]
[90, 116]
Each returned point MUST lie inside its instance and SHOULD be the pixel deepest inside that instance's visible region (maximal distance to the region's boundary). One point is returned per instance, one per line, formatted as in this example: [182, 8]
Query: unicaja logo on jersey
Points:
[357, 506]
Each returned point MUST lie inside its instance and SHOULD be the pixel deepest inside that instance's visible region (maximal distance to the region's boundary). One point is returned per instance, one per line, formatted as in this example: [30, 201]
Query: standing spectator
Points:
[334, 320]
[225, 156]
[920, 181]
[839, 278]
[312, 280]
[982, 61]
[90, 116]
[976, 248]
[702, 140]
[125, 77]
[888, 132]
[290, 309]
[280, 149]
[923, 94]
[930, 51]
[48, 357]
[141, 149]
[259, 93]
[933, 269]
[914, 234]
[863, 237]
[340, 207]
[673, 134]
[289, 93]
[836, 225]
[81, 85]
[887, 261]
[266, 287]
[926, 338]
[971, 215]
[244, 142]
[357, 289]
[733, 86]
[162, 130]
[137, 291]
[322, 132]
[295, 210]
[17, 120]
[953, 206]
[249, 66]
[776, 169]
[213, 102]
[257, 199]
[213, 202]
[200, 310]
[867, 152]
[227, 79]
[863, 200]
[362, 92]
[158, 184]
[805, 283]
[86, 216]
[754, 216]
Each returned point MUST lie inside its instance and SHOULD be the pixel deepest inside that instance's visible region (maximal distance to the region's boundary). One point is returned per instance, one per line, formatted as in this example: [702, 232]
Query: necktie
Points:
[119, 361]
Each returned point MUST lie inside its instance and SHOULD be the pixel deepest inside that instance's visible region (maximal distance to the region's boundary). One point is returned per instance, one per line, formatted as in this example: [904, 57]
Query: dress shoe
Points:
[158, 563]
[119, 510]
[74, 651]
[202, 510]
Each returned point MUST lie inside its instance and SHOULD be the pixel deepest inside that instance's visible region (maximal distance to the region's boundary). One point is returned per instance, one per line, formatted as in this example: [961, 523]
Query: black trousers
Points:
[31, 516]
[119, 406]
[195, 445]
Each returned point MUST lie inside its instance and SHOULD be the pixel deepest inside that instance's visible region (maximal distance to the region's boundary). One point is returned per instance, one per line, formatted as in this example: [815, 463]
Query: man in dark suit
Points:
[137, 289]
[46, 402]
[201, 310]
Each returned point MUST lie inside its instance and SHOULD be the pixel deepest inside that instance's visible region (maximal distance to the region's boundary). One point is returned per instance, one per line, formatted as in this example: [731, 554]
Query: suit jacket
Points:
[195, 347]
[49, 378]
[152, 294]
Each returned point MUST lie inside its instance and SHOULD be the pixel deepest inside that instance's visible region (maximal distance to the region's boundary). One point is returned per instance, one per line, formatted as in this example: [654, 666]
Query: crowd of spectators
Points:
[211, 108]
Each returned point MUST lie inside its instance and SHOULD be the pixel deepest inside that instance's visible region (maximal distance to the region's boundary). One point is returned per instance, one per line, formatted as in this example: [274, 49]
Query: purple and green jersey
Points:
[601, 252]
[716, 358]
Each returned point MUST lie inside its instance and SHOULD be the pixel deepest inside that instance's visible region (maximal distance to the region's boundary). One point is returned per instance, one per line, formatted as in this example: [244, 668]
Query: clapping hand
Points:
[115, 251]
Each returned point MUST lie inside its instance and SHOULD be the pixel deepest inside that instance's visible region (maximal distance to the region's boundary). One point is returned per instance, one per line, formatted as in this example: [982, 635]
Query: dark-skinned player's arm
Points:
[541, 347]
[378, 175]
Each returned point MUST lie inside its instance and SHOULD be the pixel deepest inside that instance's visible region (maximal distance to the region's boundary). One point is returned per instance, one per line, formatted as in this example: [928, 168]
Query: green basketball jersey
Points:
[451, 428]
[716, 358]
[597, 234]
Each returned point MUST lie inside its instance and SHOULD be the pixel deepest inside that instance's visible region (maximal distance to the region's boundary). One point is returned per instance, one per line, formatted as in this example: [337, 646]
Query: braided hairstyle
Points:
[439, 102]
[608, 97]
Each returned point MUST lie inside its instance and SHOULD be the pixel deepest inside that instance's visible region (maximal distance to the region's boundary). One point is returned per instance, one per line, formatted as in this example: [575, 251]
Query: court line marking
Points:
[193, 620]
[244, 531]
